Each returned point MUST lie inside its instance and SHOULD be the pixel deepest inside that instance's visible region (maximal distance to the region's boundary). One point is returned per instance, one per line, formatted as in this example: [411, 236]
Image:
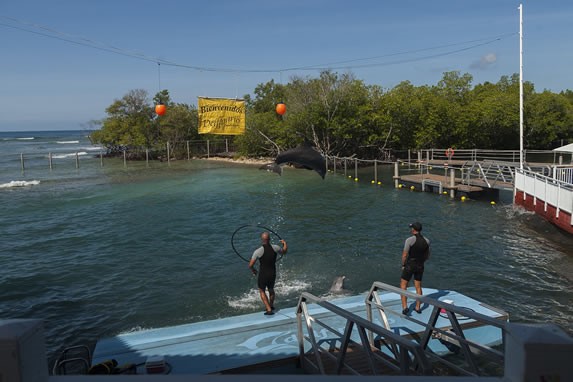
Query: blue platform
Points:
[233, 342]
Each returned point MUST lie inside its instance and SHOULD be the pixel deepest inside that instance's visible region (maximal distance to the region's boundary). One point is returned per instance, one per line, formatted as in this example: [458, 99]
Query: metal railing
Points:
[548, 189]
[384, 349]
[171, 150]
[409, 358]
[455, 335]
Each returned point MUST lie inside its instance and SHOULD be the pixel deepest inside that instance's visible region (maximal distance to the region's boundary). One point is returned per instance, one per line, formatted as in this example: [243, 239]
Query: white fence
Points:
[553, 191]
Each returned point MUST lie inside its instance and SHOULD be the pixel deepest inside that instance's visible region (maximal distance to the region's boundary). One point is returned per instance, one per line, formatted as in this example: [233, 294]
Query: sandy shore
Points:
[253, 161]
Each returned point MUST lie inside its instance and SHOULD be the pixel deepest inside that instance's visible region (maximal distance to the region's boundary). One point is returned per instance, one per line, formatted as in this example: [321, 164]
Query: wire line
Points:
[52, 33]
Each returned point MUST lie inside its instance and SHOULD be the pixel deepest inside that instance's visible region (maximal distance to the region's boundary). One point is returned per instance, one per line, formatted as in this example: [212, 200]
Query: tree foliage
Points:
[341, 115]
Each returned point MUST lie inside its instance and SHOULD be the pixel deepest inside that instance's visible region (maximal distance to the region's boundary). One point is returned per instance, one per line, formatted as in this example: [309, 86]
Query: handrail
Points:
[409, 358]
[554, 180]
[455, 335]
[382, 345]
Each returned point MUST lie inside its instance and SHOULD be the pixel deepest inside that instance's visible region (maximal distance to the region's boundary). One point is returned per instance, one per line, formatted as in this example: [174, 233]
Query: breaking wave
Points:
[20, 183]
[70, 155]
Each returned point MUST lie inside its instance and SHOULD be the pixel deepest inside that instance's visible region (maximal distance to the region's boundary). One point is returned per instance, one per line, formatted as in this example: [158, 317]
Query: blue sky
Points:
[50, 83]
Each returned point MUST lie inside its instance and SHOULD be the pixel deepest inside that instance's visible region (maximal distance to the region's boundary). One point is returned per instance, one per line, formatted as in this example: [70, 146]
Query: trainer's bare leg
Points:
[272, 298]
[418, 285]
[404, 285]
[265, 300]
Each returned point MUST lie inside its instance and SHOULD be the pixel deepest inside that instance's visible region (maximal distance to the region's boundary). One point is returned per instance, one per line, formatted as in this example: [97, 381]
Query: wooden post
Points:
[101, 158]
[124, 158]
[452, 183]
[396, 173]
[409, 158]
[22, 161]
[50, 160]
[375, 171]
[226, 145]
[188, 152]
[345, 167]
[355, 168]
[208, 149]
[168, 155]
[146, 157]
[77, 160]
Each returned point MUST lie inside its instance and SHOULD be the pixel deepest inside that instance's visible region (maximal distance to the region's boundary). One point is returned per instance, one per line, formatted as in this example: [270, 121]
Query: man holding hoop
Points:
[267, 256]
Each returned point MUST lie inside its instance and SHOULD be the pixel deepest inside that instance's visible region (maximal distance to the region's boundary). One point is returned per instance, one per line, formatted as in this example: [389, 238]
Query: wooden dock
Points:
[428, 179]
[431, 182]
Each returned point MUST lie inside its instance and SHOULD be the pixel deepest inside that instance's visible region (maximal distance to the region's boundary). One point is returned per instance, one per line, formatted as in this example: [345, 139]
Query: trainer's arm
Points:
[404, 257]
[285, 247]
[251, 265]
[254, 259]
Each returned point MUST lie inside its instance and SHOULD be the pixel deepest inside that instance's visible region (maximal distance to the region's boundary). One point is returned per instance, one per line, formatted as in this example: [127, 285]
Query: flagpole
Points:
[521, 86]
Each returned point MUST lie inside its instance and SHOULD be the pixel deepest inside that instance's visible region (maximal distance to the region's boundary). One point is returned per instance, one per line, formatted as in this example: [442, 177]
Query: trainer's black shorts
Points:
[413, 268]
[266, 281]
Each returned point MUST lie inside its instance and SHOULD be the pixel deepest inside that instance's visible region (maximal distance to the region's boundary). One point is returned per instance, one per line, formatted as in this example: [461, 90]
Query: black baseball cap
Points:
[417, 226]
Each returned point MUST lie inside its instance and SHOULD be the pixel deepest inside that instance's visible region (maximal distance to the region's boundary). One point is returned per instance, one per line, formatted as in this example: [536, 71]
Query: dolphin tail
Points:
[272, 167]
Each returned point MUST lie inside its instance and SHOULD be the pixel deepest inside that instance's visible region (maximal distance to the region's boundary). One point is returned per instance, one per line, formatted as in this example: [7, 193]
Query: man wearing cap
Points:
[416, 252]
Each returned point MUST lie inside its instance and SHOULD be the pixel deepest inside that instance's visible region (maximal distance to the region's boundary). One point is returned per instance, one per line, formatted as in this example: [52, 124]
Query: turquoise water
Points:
[96, 251]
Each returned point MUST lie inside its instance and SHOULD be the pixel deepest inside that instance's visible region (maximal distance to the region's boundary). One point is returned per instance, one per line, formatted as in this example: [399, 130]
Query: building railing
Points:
[556, 190]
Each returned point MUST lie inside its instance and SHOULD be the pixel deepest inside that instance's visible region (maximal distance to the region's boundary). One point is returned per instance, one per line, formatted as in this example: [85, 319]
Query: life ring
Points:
[449, 152]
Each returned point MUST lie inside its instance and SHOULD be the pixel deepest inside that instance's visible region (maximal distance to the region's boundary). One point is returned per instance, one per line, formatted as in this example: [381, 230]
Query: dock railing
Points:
[472, 352]
[395, 350]
[330, 348]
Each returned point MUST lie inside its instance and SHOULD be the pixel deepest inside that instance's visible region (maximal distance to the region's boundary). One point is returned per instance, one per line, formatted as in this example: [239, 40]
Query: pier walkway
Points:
[468, 172]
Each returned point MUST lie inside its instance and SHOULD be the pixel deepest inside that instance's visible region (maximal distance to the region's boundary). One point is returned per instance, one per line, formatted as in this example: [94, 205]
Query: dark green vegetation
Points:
[343, 116]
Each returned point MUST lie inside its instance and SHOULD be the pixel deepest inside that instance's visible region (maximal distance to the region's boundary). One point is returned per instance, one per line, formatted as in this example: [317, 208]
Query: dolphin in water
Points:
[303, 156]
[338, 285]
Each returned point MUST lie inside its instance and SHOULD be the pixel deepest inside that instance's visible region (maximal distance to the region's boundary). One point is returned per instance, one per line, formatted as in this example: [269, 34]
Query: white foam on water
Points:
[134, 329]
[92, 148]
[70, 155]
[66, 142]
[251, 298]
[20, 183]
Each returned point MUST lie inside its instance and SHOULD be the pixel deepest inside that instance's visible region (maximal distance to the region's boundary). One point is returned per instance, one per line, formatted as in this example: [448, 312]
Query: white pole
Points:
[521, 86]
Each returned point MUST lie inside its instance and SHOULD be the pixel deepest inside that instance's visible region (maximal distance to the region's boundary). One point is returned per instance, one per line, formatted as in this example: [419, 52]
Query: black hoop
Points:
[257, 226]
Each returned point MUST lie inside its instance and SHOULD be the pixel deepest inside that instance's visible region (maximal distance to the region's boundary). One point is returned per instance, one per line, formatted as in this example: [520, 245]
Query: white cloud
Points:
[485, 61]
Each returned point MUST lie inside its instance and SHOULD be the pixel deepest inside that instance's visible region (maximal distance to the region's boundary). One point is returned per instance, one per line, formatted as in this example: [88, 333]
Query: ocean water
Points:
[97, 250]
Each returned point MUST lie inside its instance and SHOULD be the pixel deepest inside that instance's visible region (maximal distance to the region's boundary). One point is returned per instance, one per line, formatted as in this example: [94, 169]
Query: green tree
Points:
[129, 124]
[549, 120]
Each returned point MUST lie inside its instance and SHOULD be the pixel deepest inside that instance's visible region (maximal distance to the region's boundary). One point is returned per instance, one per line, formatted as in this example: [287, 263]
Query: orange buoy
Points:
[281, 108]
[160, 109]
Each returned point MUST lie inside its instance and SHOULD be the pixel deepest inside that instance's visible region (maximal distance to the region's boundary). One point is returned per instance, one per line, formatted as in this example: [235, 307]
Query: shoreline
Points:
[252, 161]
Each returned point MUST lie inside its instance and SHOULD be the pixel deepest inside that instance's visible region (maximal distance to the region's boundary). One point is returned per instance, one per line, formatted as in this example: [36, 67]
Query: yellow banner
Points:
[221, 116]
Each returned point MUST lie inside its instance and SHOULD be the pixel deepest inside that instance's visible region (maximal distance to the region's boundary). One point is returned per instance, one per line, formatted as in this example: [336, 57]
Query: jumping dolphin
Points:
[303, 156]
[338, 285]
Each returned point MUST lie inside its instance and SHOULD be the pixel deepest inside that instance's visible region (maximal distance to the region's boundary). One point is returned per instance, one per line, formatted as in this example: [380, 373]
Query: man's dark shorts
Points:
[413, 268]
[266, 281]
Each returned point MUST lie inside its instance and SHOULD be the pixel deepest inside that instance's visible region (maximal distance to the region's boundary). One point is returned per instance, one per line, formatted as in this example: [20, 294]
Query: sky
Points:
[63, 62]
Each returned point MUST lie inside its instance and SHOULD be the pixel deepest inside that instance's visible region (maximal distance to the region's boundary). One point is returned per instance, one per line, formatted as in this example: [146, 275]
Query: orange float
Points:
[160, 109]
[281, 108]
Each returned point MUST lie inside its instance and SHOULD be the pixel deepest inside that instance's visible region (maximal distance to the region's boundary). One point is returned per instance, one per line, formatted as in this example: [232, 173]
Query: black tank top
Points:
[268, 260]
[419, 250]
